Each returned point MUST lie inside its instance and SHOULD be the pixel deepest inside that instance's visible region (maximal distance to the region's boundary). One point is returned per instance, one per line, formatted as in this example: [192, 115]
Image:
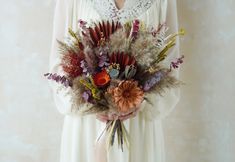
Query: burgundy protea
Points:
[71, 64]
[102, 31]
[123, 59]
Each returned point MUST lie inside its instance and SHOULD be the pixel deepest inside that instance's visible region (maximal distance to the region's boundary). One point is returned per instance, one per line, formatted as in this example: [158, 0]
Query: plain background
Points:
[200, 129]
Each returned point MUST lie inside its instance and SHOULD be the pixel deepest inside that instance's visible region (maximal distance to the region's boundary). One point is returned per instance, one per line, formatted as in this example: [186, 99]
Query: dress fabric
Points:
[80, 132]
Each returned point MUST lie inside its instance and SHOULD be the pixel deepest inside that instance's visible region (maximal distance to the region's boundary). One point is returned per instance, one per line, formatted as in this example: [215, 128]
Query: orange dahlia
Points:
[127, 96]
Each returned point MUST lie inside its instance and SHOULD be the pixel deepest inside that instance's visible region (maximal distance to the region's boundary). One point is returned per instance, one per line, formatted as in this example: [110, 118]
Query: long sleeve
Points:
[61, 20]
[67, 14]
[163, 105]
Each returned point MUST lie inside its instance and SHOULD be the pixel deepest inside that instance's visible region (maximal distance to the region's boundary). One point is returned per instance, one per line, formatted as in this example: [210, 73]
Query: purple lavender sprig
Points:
[85, 68]
[102, 54]
[156, 78]
[84, 29]
[59, 79]
[176, 64]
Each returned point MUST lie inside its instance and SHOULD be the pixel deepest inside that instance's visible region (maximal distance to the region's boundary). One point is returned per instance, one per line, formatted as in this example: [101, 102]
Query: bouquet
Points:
[112, 67]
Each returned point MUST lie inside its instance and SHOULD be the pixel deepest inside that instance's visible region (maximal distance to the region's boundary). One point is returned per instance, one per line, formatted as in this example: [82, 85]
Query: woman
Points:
[80, 133]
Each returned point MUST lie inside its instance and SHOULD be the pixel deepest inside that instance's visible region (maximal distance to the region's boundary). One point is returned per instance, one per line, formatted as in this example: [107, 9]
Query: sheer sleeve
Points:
[163, 105]
[67, 14]
[61, 23]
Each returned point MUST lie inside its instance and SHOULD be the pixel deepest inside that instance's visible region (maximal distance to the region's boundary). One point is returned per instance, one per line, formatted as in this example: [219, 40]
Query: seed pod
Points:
[130, 71]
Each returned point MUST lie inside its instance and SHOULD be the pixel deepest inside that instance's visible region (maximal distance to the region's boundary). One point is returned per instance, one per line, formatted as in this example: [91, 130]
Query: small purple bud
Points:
[63, 79]
[103, 61]
[66, 83]
[176, 64]
[86, 95]
[46, 74]
[82, 23]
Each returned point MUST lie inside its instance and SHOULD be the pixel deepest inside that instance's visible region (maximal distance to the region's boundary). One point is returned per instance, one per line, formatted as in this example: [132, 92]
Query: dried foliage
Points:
[114, 67]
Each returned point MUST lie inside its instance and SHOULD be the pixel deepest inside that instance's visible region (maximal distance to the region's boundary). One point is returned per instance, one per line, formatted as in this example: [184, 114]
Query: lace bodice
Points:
[131, 9]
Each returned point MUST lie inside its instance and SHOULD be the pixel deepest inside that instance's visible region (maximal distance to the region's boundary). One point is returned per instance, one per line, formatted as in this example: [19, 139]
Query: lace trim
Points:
[108, 10]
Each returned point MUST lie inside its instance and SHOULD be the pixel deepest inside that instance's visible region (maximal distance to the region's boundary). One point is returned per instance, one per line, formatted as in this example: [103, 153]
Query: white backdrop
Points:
[202, 127]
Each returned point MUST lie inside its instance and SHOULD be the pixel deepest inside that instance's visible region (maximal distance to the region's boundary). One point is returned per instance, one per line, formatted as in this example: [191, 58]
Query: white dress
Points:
[80, 133]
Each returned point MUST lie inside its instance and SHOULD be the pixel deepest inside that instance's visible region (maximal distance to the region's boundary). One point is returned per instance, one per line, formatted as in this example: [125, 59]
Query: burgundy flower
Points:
[71, 64]
[123, 59]
[102, 31]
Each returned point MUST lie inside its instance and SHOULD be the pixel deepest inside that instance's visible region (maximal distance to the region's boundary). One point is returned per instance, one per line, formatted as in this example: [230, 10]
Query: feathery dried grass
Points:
[76, 95]
[119, 41]
[167, 82]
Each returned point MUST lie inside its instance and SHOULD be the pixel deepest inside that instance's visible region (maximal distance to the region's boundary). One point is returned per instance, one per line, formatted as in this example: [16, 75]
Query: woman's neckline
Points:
[117, 7]
[130, 10]
[114, 3]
